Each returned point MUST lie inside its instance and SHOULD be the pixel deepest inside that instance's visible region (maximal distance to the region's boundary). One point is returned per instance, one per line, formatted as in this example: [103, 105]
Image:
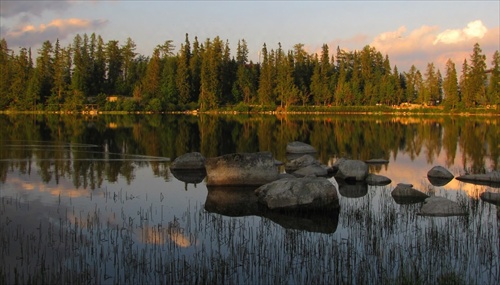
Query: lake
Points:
[91, 199]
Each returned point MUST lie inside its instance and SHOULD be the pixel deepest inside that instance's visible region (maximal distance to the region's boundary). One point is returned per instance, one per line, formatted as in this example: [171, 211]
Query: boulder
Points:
[377, 180]
[308, 193]
[311, 170]
[355, 170]
[241, 169]
[337, 163]
[490, 197]
[440, 172]
[405, 194]
[439, 176]
[300, 162]
[441, 207]
[191, 160]
[299, 147]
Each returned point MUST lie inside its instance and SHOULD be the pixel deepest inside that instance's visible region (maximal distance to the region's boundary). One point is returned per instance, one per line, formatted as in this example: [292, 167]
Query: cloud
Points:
[428, 44]
[474, 29]
[15, 8]
[29, 35]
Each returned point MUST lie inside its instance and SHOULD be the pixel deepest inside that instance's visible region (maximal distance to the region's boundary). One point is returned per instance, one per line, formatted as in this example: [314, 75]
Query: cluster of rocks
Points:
[307, 185]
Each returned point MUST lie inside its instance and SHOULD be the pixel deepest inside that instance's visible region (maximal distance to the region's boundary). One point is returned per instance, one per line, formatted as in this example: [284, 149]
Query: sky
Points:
[409, 32]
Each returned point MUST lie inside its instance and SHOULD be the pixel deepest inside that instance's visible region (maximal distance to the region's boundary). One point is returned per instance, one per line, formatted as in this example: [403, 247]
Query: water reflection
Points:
[97, 198]
[242, 201]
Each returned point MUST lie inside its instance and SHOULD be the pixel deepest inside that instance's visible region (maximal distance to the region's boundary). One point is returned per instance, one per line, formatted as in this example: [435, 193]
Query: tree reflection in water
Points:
[97, 193]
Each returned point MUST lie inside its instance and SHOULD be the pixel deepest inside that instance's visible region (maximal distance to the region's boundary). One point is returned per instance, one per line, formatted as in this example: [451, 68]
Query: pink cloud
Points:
[428, 44]
[28, 35]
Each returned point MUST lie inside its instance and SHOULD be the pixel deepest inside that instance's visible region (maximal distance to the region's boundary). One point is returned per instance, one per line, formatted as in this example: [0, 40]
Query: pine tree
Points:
[494, 82]
[183, 78]
[6, 75]
[266, 80]
[195, 71]
[450, 85]
[114, 62]
[128, 56]
[477, 75]
[466, 94]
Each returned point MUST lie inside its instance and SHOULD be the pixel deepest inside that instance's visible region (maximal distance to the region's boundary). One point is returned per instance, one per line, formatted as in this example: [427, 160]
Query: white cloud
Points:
[474, 29]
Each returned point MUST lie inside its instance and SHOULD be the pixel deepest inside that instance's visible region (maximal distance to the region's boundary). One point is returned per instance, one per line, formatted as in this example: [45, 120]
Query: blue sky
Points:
[410, 32]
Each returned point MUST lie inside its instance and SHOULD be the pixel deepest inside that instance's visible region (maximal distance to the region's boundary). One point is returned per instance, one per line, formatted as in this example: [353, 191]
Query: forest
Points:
[203, 76]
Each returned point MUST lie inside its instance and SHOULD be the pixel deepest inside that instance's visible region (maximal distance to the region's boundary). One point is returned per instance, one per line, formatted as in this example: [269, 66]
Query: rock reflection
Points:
[241, 201]
[192, 176]
[351, 189]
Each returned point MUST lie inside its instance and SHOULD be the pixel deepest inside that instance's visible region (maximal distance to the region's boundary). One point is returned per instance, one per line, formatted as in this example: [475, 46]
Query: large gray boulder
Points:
[406, 194]
[241, 169]
[355, 170]
[299, 147]
[191, 160]
[300, 162]
[441, 207]
[308, 193]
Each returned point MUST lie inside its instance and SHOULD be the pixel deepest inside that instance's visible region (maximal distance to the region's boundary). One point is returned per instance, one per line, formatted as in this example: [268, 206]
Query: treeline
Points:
[205, 75]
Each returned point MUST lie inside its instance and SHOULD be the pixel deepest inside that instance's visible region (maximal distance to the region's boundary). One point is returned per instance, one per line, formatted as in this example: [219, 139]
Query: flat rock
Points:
[241, 169]
[356, 170]
[377, 161]
[490, 197]
[191, 160]
[441, 207]
[492, 178]
[193, 176]
[299, 147]
[377, 180]
[308, 193]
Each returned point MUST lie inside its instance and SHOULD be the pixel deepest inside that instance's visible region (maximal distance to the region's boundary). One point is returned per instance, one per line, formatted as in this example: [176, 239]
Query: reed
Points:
[376, 242]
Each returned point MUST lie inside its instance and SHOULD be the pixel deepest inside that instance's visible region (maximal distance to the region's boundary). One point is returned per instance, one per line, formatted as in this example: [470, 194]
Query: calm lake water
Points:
[92, 200]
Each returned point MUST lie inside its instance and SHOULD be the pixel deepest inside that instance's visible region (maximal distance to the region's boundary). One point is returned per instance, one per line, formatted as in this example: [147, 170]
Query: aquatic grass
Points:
[377, 242]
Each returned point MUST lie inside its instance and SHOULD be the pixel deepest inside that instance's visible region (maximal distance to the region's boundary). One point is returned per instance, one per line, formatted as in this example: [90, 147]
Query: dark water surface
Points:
[92, 200]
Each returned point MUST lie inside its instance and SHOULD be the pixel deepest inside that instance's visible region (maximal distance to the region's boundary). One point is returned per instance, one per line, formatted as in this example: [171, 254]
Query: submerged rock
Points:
[308, 193]
[241, 169]
[377, 180]
[406, 194]
[441, 207]
[299, 147]
[356, 170]
[192, 160]
[490, 197]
